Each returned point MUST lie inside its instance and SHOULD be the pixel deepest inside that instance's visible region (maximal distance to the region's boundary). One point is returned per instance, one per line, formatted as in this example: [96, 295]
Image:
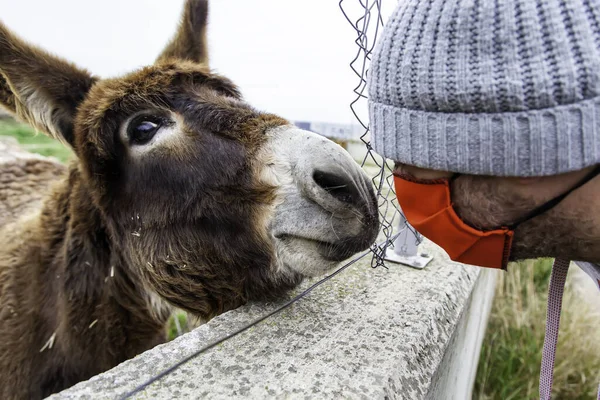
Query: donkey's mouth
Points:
[330, 251]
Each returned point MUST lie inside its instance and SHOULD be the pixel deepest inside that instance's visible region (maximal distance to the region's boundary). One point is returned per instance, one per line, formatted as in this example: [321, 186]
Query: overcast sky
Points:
[288, 56]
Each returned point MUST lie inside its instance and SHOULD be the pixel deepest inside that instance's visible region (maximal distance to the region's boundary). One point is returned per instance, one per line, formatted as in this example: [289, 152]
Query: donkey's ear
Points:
[39, 88]
[189, 43]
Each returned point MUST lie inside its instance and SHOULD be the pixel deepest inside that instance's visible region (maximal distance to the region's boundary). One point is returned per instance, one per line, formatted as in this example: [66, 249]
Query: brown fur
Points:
[80, 274]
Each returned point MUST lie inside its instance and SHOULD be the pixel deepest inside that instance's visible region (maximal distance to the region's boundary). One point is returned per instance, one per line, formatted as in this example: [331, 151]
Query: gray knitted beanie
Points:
[495, 87]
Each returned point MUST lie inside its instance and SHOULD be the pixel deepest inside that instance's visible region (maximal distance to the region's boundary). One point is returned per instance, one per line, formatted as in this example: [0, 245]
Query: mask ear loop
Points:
[553, 202]
[453, 177]
[451, 180]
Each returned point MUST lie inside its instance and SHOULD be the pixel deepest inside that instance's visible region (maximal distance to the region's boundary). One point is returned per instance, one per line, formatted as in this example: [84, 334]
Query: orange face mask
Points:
[428, 208]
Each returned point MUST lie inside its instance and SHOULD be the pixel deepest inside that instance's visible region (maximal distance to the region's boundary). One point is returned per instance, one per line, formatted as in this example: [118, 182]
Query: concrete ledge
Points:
[367, 333]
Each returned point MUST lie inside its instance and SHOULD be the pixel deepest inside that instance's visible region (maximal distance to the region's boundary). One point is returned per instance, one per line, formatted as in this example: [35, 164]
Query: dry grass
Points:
[510, 358]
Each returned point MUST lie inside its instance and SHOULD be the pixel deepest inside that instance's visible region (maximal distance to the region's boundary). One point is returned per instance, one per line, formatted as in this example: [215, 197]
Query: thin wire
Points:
[389, 210]
[240, 330]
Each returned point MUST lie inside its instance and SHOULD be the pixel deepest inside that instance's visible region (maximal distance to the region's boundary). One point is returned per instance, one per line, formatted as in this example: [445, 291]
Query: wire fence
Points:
[366, 19]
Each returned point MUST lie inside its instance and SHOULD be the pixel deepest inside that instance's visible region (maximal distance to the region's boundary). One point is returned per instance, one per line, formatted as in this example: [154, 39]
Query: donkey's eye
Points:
[142, 130]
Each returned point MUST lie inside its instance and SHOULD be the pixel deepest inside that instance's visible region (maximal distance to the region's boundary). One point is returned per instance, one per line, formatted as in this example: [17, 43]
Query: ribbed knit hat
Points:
[503, 87]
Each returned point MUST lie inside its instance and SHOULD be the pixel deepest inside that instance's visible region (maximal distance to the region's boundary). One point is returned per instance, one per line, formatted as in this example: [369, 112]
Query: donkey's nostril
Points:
[338, 186]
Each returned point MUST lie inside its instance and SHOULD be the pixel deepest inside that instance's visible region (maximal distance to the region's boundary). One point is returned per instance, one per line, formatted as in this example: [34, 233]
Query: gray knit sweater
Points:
[498, 87]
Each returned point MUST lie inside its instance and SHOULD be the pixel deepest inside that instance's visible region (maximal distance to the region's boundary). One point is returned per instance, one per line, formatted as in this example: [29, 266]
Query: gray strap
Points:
[555, 295]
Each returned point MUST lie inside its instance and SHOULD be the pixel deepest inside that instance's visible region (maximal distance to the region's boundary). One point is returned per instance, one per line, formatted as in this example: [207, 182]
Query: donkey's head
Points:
[204, 196]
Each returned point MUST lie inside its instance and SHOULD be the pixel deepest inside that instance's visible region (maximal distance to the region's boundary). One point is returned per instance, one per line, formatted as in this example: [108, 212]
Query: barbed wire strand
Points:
[383, 179]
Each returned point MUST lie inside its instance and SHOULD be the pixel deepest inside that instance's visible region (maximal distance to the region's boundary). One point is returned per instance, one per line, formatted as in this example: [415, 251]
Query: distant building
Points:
[346, 135]
[337, 132]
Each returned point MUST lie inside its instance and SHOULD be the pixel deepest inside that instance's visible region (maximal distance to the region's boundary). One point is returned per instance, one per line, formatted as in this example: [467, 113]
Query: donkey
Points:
[180, 194]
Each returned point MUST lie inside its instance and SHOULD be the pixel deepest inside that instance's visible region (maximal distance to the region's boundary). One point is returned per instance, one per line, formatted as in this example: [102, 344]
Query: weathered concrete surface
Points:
[456, 373]
[367, 333]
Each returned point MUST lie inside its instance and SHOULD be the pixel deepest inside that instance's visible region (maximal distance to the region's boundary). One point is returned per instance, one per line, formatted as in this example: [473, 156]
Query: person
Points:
[491, 113]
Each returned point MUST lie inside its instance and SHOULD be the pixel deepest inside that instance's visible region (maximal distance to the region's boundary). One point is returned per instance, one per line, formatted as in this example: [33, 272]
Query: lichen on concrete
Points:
[369, 333]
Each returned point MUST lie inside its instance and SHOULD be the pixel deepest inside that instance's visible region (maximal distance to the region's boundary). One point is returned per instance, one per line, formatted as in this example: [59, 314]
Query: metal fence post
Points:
[405, 249]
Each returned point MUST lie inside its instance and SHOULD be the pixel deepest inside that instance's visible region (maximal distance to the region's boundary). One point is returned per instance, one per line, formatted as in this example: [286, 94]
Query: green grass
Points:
[509, 364]
[33, 141]
[173, 330]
